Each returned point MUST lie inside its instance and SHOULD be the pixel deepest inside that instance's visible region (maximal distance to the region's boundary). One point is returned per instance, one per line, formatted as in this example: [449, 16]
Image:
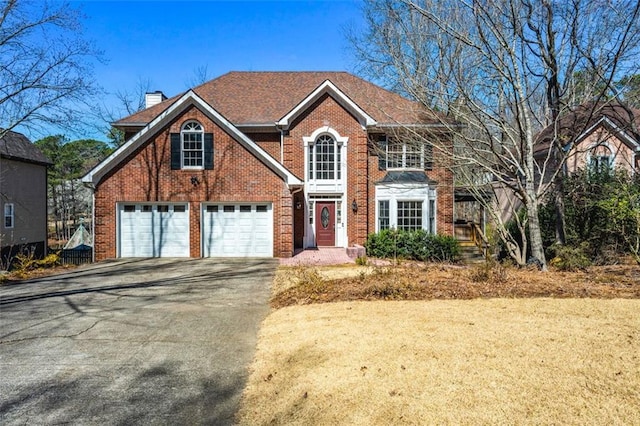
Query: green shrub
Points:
[568, 258]
[412, 245]
[361, 260]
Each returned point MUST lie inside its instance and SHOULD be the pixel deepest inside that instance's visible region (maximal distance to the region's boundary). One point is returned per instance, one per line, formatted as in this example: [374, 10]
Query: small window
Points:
[261, 209]
[212, 209]
[383, 215]
[432, 216]
[245, 209]
[129, 208]
[180, 208]
[9, 215]
[338, 211]
[229, 209]
[147, 208]
[163, 208]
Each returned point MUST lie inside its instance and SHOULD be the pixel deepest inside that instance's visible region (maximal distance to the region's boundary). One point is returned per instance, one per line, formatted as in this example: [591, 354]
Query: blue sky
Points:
[166, 41]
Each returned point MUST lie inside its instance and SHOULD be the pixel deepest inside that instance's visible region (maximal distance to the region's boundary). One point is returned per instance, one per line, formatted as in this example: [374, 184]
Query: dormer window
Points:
[191, 137]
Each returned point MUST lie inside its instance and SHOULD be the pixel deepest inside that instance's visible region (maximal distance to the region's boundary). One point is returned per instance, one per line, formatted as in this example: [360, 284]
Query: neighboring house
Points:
[23, 197]
[595, 135]
[264, 163]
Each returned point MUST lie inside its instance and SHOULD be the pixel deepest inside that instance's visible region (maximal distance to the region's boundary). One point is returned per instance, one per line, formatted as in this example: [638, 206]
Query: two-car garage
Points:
[227, 229]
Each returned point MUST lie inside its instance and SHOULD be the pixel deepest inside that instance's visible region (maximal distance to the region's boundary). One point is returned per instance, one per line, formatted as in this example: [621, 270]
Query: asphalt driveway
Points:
[154, 341]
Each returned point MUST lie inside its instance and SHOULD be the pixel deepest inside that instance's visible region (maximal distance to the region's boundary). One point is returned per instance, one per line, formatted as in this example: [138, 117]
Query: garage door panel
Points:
[147, 230]
[239, 230]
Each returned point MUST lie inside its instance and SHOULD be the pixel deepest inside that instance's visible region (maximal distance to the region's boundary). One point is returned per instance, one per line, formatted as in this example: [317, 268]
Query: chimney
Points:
[153, 98]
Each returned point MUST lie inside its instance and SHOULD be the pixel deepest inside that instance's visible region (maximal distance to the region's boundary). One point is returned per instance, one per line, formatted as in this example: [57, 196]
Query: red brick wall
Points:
[327, 112]
[147, 176]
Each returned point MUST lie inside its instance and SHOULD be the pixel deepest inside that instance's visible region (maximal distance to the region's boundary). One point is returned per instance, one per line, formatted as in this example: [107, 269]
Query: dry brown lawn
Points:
[522, 348]
[496, 361]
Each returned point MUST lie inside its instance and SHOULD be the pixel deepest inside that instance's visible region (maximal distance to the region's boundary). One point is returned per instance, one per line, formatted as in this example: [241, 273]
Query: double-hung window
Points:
[409, 215]
[9, 215]
[411, 154]
[383, 215]
[191, 137]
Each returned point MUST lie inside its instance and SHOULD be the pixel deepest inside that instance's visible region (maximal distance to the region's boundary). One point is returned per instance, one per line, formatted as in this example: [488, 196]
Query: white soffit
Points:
[190, 98]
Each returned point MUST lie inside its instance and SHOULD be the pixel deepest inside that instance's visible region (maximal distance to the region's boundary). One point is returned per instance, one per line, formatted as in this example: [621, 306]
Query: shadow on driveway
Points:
[132, 342]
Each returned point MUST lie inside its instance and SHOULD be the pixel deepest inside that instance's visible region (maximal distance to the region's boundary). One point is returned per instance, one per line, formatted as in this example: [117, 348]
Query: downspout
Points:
[281, 128]
[304, 228]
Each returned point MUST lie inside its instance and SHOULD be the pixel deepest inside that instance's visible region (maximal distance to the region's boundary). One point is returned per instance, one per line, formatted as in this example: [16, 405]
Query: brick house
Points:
[265, 163]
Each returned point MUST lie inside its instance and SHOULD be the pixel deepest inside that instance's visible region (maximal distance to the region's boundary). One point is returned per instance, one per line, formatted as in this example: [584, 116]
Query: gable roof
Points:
[264, 98]
[16, 146]
[175, 108]
[619, 119]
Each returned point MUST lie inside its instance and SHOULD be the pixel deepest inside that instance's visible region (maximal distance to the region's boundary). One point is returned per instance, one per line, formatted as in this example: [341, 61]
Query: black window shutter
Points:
[175, 151]
[382, 153]
[428, 156]
[208, 151]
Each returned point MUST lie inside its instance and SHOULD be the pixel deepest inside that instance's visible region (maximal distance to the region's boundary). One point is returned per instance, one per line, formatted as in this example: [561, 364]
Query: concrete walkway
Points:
[138, 341]
[318, 256]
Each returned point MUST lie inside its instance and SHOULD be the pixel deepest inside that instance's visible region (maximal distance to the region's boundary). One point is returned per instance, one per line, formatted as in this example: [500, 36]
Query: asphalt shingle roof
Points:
[266, 97]
[16, 146]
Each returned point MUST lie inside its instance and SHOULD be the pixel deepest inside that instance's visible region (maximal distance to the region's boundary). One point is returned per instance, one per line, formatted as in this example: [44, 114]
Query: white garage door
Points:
[153, 230]
[237, 230]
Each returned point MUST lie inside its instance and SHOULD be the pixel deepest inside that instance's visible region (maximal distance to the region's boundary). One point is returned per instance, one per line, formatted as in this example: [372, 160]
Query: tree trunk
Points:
[535, 234]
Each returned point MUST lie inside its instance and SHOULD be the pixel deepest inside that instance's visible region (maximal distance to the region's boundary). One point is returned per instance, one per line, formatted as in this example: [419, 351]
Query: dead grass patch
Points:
[495, 361]
[433, 281]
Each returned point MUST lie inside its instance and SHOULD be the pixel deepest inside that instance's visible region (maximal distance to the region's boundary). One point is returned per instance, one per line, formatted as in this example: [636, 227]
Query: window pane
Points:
[180, 208]
[409, 215]
[229, 209]
[192, 145]
[212, 209]
[325, 160]
[383, 215]
[261, 208]
[129, 208]
[245, 209]
[163, 209]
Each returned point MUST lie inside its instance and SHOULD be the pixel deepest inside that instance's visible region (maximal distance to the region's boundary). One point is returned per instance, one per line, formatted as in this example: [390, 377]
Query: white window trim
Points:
[182, 150]
[399, 192]
[12, 214]
[340, 143]
[591, 156]
[404, 157]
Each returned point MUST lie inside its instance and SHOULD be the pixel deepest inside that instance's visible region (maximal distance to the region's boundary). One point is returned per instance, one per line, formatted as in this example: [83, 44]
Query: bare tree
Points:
[45, 65]
[500, 70]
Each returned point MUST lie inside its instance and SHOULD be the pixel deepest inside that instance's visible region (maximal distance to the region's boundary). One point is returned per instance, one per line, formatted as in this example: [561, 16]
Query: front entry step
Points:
[356, 251]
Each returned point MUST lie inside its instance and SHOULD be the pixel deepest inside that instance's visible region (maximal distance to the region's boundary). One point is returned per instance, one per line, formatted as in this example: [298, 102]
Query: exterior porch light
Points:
[195, 181]
[298, 205]
[354, 206]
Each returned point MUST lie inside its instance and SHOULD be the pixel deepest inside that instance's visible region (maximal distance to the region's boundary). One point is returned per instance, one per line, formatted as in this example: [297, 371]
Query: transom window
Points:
[9, 215]
[409, 215]
[192, 145]
[324, 159]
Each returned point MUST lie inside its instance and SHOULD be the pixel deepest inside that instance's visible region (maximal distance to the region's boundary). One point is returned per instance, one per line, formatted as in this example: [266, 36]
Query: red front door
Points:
[326, 223]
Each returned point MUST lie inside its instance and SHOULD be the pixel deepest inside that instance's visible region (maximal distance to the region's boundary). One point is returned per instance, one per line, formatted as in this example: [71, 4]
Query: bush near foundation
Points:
[412, 245]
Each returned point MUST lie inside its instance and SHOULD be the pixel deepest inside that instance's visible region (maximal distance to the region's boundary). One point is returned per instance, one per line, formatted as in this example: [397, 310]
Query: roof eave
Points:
[327, 87]
[103, 168]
